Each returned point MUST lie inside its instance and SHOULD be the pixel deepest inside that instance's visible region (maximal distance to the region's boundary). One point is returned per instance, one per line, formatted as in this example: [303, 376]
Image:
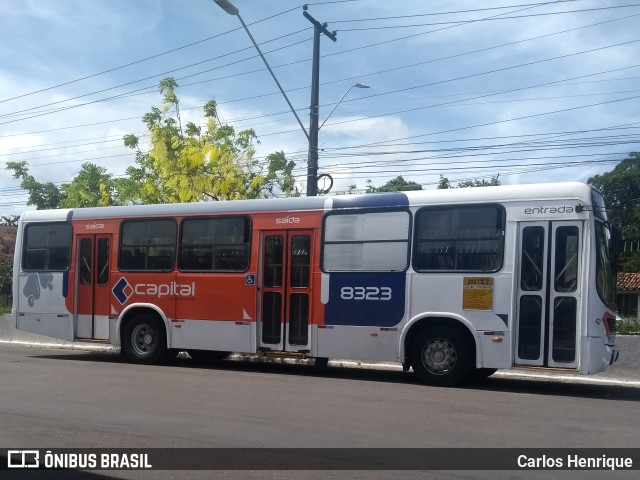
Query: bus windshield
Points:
[605, 263]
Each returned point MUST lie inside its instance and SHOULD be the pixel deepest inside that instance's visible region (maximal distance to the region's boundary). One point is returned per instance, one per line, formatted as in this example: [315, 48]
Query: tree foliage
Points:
[184, 163]
[190, 164]
[43, 195]
[279, 178]
[91, 187]
[193, 164]
[398, 184]
[10, 221]
[6, 274]
[445, 183]
[7, 246]
[621, 191]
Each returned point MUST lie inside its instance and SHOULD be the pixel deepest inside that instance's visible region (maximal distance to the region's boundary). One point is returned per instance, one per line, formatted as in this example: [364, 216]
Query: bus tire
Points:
[145, 341]
[441, 356]
[207, 356]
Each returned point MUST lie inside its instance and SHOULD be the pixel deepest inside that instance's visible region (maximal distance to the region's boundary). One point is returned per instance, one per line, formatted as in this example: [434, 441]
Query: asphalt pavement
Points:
[625, 371]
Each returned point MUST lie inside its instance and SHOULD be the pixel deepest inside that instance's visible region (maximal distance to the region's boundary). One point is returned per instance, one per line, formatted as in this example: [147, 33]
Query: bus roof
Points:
[527, 192]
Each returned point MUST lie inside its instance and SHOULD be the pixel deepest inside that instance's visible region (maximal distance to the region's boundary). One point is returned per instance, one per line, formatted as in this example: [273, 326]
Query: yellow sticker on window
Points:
[477, 293]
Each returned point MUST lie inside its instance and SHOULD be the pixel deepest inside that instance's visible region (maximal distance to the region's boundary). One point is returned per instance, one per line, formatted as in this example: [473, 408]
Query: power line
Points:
[473, 10]
[149, 57]
[386, 27]
[118, 96]
[159, 75]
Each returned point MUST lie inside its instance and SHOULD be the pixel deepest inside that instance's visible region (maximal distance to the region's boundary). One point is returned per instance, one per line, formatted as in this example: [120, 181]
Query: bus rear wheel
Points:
[145, 340]
[441, 356]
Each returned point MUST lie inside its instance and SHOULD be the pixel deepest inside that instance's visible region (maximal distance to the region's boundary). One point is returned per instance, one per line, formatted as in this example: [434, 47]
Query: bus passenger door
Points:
[284, 290]
[92, 301]
[548, 301]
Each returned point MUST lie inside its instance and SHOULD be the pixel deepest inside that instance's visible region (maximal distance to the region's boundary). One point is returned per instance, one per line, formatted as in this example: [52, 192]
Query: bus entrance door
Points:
[284, 291]
[548, 302]
[92, 287]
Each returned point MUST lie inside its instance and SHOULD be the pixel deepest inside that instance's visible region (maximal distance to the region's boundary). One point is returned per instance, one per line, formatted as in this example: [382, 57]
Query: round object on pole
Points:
[324, 176]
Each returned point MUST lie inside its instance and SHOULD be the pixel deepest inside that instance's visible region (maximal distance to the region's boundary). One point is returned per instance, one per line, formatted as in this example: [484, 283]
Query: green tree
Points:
[91, 187]
[7, 246]
[43, 195]
[6, 274]
[445, 183]
[279, 178]
[11, 221]
[185, 163]
[621, 191]
[398, 184]
[494, 182]
[191, 164]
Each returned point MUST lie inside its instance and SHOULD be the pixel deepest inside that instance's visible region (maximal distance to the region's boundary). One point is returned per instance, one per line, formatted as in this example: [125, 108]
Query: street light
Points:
[312, 134]
[228, 7]
[356, 85]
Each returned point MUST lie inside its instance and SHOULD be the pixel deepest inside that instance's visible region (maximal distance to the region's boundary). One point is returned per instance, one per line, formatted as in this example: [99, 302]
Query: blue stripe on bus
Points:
[366, 299]
[380, 200]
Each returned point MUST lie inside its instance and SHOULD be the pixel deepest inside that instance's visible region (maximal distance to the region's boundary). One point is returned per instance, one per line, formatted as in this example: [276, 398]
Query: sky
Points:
[527, 91]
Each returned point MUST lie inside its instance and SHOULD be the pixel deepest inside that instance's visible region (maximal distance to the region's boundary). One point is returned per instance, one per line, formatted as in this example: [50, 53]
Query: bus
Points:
[452, 284]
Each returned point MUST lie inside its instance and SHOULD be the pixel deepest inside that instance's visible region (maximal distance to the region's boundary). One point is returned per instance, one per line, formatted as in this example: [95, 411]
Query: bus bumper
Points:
[599, 355]
[614, 355]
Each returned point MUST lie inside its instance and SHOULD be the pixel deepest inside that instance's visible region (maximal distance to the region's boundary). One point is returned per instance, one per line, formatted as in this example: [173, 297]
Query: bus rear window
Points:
[47, 247]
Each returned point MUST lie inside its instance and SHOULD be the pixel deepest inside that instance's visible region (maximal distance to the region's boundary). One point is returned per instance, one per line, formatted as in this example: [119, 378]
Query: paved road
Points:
[626, 369]
[62, 398]
[54, 398]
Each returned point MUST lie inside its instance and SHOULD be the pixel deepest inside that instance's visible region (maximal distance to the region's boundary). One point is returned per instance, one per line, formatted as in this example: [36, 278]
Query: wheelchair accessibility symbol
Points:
[250, 279]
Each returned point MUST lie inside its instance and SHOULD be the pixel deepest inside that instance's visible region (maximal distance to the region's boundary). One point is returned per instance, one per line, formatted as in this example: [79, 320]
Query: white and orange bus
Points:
[452, 283]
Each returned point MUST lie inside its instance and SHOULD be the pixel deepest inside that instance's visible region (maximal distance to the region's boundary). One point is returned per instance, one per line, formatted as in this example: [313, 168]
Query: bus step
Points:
[546, 369]
[274, 354]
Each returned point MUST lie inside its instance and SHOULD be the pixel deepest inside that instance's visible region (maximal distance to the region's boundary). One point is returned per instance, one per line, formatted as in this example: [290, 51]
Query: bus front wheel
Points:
[145, 340]
[441, 356]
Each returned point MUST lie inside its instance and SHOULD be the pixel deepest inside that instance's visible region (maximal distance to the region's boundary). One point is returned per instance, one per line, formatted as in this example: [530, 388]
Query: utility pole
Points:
[312, 134]
[312, 165]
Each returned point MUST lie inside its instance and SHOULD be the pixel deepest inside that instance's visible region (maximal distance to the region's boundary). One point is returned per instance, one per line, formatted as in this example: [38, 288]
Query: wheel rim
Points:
[143, 339]
[439, 356]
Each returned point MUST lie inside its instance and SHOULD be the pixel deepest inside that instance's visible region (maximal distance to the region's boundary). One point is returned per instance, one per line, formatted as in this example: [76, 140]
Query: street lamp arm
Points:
[228, 7]
[274, 76]
[358, 85]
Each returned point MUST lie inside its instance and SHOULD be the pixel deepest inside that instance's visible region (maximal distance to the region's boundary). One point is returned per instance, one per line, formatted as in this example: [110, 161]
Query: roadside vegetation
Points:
[630, 326]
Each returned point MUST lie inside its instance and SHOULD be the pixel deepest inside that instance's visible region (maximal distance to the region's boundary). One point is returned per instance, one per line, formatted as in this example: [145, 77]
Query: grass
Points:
[631, 326]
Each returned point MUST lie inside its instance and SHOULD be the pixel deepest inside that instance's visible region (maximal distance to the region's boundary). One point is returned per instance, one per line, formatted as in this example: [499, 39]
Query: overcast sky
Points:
[532, 92]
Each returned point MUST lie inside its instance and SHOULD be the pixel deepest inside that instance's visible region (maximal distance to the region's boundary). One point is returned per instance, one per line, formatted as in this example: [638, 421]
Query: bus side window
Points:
[47, 247]
[467, 238]
[147, 245]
